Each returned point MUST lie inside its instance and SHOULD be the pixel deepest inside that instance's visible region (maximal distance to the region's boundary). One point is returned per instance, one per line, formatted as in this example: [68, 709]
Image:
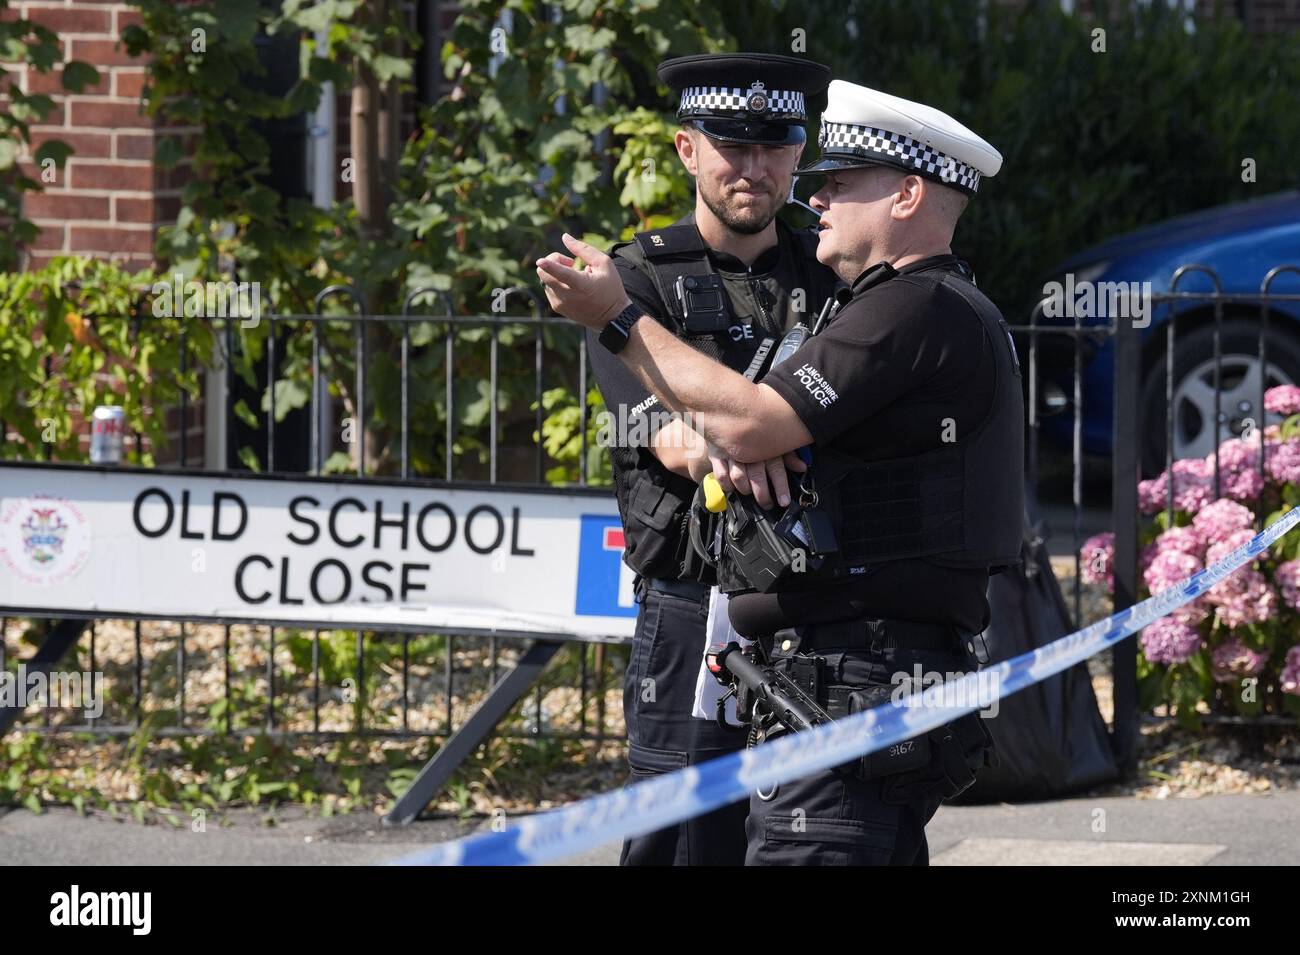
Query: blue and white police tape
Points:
[670, 798]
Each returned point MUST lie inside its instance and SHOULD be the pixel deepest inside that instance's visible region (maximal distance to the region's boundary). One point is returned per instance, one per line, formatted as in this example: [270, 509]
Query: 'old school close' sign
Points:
[312, 552]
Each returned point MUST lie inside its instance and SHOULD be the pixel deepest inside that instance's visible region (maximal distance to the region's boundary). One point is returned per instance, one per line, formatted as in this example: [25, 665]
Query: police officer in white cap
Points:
[909, 397]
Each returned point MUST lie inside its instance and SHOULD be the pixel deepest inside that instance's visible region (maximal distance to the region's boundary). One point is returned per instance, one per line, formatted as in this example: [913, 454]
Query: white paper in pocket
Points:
[716, 630]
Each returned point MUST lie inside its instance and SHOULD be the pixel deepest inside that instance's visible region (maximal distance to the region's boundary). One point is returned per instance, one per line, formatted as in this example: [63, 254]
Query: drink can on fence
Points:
[107, 429]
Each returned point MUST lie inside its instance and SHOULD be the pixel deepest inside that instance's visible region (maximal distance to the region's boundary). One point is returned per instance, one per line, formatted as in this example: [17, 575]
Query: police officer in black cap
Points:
[727, 280]
[910, 401]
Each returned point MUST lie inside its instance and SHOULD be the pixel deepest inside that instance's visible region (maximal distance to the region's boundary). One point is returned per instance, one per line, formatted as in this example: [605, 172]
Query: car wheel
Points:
[1195, 434]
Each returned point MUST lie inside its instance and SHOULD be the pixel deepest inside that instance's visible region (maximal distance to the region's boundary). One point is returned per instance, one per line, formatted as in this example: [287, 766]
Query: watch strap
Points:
[617, 330]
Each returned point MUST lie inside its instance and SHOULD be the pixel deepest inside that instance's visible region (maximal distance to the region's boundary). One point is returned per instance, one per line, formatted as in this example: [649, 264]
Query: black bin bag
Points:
[1050, 738]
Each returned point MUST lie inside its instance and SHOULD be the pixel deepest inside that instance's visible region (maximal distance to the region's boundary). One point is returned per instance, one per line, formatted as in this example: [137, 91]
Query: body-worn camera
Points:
[704, 303]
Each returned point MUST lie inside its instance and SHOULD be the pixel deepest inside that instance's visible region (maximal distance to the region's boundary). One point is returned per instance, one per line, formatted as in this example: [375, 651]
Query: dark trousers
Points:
[658, 693]
[835, 818]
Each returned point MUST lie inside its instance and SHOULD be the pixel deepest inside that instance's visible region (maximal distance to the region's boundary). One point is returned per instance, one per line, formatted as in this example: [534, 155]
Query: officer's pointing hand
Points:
[590, 295]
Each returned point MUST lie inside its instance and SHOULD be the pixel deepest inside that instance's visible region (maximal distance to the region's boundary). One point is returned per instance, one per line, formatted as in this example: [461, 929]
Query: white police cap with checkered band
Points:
[865, 127]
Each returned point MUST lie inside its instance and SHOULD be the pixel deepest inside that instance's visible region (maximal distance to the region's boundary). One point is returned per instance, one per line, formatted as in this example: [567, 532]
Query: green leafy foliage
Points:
[546, 126]
[1093, 143]
[562, 436]
[73, 339]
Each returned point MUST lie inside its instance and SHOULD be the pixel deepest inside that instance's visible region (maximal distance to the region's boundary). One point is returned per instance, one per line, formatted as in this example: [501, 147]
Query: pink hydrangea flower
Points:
[1146, 555]
[1185, 540]
[1169, 641]
[1234, 660]
[1170, 567]
[1222, 548]
[1239, 475]
[1284, 399]
[1245, 597]
[1291, 672]
[1287, 578]
[1152, 494]
[1097, 559]
[1193, 487]
[1216, 521]
[1194, 613]
[1193, 484]
[1244, 485]
[1283, 462]
[1237, 453]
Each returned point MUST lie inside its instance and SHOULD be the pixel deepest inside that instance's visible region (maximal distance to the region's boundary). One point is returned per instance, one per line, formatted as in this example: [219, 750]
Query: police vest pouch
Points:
[958, 750]
[655, 514]
[812, 530]
[764, 549]
[901, 508]
[908, 756]
[754, 553]
[653, 504]
[965, 747]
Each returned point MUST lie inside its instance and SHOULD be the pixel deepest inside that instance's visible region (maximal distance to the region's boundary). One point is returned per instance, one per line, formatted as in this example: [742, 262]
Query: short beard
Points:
[733, 221]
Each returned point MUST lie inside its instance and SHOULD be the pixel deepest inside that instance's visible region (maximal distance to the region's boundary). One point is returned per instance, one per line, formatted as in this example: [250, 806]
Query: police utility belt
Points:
[797, 693]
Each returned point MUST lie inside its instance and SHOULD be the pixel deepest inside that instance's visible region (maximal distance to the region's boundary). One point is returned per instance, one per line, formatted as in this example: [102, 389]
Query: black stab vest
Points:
[654, 502]
[959, 506]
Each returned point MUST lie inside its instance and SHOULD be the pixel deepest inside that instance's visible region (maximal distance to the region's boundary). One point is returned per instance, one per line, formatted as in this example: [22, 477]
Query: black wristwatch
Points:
[615, 334]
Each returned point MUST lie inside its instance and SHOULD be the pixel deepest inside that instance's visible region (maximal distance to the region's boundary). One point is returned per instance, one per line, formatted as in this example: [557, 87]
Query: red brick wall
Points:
[109, 199]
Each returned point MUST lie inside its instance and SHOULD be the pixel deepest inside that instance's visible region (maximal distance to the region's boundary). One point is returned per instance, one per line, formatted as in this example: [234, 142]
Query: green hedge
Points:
[1094, 143]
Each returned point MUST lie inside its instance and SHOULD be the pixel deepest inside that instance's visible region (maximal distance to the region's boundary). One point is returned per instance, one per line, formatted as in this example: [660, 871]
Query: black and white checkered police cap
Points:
[758, 98]
[865, 127]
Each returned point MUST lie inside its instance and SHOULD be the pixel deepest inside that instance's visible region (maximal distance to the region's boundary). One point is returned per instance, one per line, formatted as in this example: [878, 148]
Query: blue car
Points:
[1241, 243]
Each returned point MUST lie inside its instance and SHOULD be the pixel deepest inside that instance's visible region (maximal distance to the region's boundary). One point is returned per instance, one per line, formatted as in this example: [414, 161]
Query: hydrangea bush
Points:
[1237, 646]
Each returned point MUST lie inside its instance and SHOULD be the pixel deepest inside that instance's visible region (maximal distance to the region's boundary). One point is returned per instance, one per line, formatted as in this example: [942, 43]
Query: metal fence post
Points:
[444, 300]
[1124, 513]
[323, 432]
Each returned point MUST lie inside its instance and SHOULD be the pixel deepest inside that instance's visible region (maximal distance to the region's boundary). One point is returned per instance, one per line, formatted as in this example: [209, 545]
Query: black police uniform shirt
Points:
[762, 307]
[882, 381]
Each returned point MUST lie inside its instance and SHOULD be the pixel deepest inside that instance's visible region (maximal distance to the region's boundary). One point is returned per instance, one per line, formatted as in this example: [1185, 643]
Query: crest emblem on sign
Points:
[756, 98]
[43, 534]
[43, 539]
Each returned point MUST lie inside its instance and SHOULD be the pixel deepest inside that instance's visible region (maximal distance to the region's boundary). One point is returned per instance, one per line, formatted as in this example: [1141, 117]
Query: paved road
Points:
[1259, 829]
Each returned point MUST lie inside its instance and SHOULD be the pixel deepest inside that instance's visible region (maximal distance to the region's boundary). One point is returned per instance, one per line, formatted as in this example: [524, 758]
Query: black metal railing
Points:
[296, 701]
[557, 344]
[594, 666]
[1135, 360]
